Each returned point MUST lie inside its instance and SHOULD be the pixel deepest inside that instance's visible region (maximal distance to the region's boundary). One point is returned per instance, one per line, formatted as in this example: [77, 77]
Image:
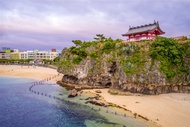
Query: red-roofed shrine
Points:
[143, 32]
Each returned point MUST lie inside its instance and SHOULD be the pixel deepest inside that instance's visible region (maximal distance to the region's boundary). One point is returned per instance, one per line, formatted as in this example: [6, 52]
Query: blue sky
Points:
[46, 24]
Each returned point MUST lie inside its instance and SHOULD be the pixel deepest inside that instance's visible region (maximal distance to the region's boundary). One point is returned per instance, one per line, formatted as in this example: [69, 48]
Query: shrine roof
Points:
[143, 28]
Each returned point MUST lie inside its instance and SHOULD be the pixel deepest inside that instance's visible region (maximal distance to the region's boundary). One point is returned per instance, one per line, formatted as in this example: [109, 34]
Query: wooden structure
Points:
[143, 32]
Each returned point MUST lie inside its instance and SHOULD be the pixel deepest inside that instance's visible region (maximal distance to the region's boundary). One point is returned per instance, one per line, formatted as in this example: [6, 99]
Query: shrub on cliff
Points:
[109, 45]
[170, 54]
[133, 59]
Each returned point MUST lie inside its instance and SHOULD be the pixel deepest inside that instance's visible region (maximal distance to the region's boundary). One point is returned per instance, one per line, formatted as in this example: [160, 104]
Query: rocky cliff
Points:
[148, 67]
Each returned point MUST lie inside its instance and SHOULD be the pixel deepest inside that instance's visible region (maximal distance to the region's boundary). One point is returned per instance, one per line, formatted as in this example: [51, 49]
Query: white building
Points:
[23, 55]
[6, 53]
[15, 50]
[2, 55]
[46, 55]
[38, 55]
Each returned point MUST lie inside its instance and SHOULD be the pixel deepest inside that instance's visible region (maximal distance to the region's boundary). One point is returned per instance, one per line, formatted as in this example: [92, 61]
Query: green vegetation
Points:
[134, 60]
[94, 50]
[27, 61]
[56, 59]
[15, 61]
[47, 61]
[171, 56]
[133, 57]
[108, 46]
[65, 64]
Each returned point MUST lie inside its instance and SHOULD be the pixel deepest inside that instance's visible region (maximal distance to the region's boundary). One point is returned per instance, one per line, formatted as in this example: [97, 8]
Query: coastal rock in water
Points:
[73, 93]
[97, 102]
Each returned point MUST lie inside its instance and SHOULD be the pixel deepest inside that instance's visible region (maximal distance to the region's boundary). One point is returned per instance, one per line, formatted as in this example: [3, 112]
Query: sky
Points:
[47, 24]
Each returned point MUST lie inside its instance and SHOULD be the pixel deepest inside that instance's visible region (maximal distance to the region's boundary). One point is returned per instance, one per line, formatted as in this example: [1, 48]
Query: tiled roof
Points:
[143, 28]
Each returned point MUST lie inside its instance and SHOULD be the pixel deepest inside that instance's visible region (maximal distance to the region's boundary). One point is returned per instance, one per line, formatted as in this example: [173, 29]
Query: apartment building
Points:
[14, 54]
[23, 55]
[38, 55]
[6, 53]
[2, 55]
[45, 55]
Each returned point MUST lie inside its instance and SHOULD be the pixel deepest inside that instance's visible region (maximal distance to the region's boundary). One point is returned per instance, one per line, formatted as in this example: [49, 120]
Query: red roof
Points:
[144, 28]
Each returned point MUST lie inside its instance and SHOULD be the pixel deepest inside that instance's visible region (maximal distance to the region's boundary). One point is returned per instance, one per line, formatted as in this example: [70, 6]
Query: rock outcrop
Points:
[111, 75]
[126, 72]
[73, 93]
[97, 100]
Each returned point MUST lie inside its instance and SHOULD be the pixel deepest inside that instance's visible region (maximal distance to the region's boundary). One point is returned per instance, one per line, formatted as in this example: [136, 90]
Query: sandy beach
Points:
[167, 110]
[29, 72]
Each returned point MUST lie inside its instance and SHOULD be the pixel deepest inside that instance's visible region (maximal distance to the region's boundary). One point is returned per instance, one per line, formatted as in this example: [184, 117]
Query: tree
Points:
[78, 43]
[56, 59]
[100, 37]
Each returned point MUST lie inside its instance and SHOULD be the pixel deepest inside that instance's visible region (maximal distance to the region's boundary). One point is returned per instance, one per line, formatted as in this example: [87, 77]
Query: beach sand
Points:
[29, 72]
[167, 110]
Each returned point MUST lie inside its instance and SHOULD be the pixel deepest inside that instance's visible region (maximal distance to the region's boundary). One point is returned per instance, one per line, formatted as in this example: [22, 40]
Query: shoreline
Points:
[166, 110]
[115, 108]
[35, 72]
[43, 73]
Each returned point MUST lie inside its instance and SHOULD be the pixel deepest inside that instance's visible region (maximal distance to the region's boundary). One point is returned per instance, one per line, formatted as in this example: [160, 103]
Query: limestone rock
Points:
[73, 93]
[98, 102]
[98, 91]
[101, 73]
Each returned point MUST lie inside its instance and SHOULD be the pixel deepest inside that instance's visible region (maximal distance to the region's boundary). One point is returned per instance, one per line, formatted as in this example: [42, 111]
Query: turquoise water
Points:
[21, 107]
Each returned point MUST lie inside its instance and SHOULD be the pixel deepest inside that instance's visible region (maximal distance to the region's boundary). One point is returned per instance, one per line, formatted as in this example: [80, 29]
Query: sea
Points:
[24, 103]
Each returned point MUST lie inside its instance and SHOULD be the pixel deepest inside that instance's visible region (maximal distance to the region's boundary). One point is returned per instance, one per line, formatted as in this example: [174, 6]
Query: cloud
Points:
[48, 23]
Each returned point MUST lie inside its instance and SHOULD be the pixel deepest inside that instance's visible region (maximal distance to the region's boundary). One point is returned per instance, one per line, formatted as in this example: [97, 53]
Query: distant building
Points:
[31, 54]
[46, 55]
[2, 55]
[23, 55]
[15, 54]
[53, 50]
[6, 48]
[143, 32]
[38, 55]
[7, 53]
